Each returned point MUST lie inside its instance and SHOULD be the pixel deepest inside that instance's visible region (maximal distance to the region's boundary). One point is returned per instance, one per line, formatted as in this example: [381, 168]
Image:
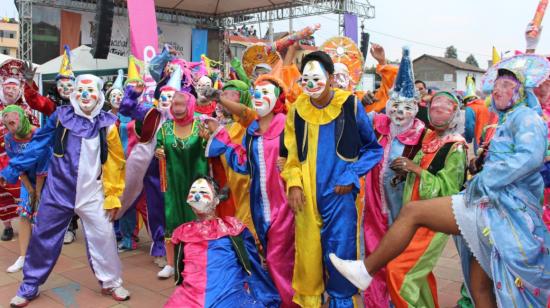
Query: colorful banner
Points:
[199, 39]
[350, 26]
[143, 29]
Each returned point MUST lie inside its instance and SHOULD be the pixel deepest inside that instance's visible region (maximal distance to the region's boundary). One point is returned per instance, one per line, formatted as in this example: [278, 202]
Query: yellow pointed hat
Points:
[496, 56]
[133, 74]
[66, 69]
[470, 88]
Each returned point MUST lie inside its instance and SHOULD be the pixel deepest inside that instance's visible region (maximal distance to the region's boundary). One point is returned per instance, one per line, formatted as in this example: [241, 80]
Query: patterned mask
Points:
[165, 100]
[265, 97]
[65, 87]
[87, 94]
[314, 79]
[115, 98]
[202, 198]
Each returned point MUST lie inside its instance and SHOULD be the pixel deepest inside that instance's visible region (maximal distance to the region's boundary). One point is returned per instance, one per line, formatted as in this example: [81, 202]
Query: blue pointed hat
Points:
[175, 80]
[403, 88]
[118, 84]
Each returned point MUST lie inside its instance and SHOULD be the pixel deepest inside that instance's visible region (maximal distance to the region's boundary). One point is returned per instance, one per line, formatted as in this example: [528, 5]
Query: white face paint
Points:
[165, 100]
[12, 92]
[204, 83]
[402, 113]
[341, 77]
[201, 197]
[314, 79]
[65, 87]
[87, 94]
[115, 98]
[264, 98]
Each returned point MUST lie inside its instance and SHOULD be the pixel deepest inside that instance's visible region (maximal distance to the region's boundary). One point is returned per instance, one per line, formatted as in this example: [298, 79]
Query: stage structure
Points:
[217, 15]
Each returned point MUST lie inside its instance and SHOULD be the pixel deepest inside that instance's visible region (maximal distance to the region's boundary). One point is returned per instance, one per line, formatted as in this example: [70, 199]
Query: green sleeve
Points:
[160, 137]
[238, 67]
[447, 181]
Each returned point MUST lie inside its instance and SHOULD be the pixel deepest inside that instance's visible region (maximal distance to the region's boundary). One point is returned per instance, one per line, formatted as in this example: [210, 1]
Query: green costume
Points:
[185, 161]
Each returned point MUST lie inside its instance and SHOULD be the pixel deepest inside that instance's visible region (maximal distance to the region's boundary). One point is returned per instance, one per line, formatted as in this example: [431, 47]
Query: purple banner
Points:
[350, 26]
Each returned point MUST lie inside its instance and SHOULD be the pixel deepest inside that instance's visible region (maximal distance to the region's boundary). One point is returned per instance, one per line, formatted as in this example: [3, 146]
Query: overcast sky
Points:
[7, 9]
[428, 26]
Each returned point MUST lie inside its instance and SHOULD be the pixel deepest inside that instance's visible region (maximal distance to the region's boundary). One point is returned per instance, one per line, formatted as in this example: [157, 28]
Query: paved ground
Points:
[72, 283]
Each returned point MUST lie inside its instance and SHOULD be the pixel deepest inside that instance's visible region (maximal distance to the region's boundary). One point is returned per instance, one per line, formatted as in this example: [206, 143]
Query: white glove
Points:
[532, 42]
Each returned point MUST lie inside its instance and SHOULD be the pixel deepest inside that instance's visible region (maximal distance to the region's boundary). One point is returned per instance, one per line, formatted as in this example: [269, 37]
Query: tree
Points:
[472, 61]
[451, 52]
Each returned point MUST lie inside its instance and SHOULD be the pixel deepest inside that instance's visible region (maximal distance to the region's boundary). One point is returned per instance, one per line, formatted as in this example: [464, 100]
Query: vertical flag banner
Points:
[143, 29]
[199, 39]
[350, 26]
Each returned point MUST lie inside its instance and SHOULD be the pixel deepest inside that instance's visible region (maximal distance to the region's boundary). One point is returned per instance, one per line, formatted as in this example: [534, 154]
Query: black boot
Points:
[7, 235]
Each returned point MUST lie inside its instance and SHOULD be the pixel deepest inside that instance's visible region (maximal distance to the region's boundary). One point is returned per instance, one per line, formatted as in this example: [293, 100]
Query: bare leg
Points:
[25, 228]
[482, 286]
[435, 214]
[170, 253]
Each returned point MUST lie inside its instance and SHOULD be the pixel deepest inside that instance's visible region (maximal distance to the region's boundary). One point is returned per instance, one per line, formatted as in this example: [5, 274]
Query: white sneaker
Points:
[17, 266]
[166, 272]
[69, 237]
[119, 293]
[18, 301]
[160, 262]
[353, 270]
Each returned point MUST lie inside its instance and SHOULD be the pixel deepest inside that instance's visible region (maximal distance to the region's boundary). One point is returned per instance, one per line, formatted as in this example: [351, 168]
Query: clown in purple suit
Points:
[86, 177]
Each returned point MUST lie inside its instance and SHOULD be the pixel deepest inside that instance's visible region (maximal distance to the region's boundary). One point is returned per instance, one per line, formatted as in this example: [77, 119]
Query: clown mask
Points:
[11, 121]
[202, 198]
[65, 87]
[505, 92]
[341, 78]
[402, 113]
[442, 111]
[87, 94]
[314, 79]
[204, 83]
[165, 100]
[12, 92]
[115, 98]
[265, 97]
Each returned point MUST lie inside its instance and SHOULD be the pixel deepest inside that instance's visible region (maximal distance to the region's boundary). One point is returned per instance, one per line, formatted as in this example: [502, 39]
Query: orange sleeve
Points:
[388, 74]
[290, 75]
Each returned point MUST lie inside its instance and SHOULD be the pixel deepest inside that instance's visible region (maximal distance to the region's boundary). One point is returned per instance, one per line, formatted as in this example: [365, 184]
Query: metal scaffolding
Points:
[25, 29]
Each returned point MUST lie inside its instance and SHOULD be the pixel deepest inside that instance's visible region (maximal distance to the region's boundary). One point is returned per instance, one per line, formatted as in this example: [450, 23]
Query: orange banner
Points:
[70, 30]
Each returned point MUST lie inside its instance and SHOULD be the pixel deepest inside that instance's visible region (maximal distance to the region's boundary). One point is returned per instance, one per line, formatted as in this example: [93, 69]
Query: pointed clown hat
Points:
[66, 69]
[403, 88]
[118, 84]
[133, 74]
[174, 84]
[470, 88]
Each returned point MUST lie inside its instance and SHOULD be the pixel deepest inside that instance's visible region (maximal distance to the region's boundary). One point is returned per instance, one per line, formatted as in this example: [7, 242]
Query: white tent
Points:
[83, 62]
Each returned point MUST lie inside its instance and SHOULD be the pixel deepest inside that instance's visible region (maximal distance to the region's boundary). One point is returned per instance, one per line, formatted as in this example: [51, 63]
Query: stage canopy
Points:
[84, 63]
[224, 8]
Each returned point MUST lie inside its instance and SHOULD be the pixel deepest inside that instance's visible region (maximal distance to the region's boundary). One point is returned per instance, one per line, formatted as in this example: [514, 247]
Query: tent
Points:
[84, 63]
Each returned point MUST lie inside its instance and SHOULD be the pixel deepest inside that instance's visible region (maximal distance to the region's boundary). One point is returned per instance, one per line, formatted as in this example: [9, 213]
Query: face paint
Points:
[341, 77]
[65, 87]
[314, 79]
[201, 197]
[402, 113]
[543, 93]
[12, 93]
[11, 121]
[265, 98]
[87, 94]
[505, 92]
[166, 98]
[441, 111]
[115, 98]
[204, 83]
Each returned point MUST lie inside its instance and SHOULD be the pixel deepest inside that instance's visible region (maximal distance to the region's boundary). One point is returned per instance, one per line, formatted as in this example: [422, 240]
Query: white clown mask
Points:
[204, 83]
[65, 86]
[265, 97]
[202, 197]
[314, 79]
[341, 77]
[87, 95]
[165, 99]
[401, 113]
[115, 98]
[11, 91]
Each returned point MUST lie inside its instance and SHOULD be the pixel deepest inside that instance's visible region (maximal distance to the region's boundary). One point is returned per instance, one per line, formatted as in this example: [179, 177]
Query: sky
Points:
[8, 9]
[429, 26]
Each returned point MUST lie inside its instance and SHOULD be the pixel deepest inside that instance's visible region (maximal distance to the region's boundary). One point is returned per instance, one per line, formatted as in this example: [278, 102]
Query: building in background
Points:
[444, 73]
[9, 36]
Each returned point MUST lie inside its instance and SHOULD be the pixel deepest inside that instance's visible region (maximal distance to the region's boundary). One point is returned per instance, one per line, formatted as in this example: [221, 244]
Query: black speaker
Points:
[101, 38]
[365, 44]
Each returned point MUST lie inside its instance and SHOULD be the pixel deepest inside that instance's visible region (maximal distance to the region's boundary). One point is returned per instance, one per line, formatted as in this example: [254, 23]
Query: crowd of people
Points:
[267, 189]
